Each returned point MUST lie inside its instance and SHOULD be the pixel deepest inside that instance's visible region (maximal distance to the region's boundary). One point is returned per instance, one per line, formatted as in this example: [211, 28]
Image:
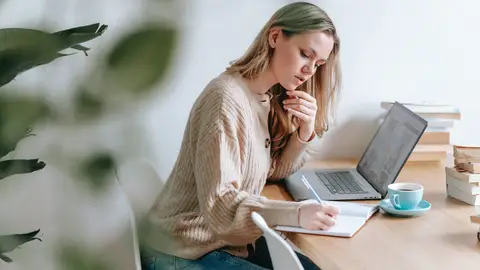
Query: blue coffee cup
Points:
[405, 196]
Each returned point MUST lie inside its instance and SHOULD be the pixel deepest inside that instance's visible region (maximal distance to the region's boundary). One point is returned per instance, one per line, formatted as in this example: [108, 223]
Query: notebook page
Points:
[345, 226]
[355, 209]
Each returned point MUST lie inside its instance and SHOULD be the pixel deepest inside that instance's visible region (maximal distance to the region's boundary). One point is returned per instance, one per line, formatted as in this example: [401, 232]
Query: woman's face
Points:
[296, 58]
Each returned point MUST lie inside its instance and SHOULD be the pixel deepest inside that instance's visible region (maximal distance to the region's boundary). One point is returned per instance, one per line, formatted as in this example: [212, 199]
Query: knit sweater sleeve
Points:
[294, 156]
[220, 149]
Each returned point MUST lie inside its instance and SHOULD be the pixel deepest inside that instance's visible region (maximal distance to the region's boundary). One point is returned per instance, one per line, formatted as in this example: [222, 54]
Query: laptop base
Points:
[298, 191]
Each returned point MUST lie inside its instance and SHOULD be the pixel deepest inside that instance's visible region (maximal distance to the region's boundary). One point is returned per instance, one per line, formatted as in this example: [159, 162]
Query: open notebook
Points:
[351, 218]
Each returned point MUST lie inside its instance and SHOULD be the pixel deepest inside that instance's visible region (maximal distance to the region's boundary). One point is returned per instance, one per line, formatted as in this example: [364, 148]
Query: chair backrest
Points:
[140, 183]
[282, 255]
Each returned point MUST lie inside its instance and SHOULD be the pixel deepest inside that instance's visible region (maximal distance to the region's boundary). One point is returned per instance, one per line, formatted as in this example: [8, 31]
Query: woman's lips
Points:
[300, 79]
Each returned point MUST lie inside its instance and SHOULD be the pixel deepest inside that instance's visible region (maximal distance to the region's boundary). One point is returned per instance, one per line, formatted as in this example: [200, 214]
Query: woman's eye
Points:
[303, 55]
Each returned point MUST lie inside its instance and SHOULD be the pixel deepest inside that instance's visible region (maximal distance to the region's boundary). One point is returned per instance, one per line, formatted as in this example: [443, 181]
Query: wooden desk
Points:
[443, 238]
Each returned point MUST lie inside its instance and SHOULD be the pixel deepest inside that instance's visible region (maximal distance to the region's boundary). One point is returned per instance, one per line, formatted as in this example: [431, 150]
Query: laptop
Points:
[379, 166]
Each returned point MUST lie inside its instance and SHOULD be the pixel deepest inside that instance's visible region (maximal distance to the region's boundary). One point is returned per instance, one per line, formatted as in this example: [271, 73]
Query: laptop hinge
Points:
[374, 187]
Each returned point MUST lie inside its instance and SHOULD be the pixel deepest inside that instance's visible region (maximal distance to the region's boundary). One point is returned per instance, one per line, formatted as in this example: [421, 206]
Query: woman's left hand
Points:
[304, 107]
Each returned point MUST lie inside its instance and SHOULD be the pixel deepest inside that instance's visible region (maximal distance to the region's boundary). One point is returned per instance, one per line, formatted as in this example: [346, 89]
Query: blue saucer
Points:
[422, 207]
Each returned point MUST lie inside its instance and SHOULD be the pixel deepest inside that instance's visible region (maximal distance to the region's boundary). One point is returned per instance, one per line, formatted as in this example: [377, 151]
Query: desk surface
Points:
[443, 238]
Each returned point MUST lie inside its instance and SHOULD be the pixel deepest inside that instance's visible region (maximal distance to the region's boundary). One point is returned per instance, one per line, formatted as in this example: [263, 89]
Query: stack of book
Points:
[463, 179]
[435, 144]
[467, 158]
[476, 219]
[463, 186]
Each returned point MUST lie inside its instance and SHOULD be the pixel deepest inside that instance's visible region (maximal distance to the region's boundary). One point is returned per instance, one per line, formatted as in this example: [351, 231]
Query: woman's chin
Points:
[290, 86]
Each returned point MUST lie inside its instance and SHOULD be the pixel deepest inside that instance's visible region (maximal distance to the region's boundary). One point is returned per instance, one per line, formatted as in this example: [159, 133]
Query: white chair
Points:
[140, 184]
[282, 255]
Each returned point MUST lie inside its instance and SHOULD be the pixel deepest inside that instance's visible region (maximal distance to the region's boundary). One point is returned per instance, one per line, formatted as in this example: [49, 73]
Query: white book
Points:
[463, 186]
[462, 196]
[463, 176]
[440, 123]
[438, 129]
[424, 107]
[351, 218]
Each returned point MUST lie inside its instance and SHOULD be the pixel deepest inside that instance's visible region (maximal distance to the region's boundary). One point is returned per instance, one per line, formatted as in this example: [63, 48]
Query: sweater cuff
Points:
[283, 213]
[280, 212]
[309, 139]
[296, 146]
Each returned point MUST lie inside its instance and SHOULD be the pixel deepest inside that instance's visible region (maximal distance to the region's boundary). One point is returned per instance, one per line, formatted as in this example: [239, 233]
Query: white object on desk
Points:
[351, 218]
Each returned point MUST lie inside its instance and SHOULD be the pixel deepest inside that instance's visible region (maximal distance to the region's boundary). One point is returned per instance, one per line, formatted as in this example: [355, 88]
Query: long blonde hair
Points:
[293, 19]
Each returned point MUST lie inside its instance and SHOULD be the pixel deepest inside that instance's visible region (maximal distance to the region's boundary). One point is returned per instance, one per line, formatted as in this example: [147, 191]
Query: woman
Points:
[252, 123]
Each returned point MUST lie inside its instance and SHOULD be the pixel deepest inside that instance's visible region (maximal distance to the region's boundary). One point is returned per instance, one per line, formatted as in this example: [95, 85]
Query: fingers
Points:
[330, 210]
[303, 116]
[300, 102]
[317, 216]
[318, 219]
[300, 108]
[321, 222]
[301, 105]
[325, 220]
[317, 225]
[301, 94]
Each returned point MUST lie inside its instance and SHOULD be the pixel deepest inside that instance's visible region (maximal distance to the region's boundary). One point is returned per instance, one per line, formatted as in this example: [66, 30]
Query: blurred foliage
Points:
[22, 49]
[87, 105]
[141, 58]
[96, 170]
[130, 69]
[10, 242]
[77, 258]
[19, 166]
[17, 117]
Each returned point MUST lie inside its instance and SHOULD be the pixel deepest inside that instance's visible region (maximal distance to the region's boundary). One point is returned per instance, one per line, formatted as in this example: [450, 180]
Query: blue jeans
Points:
[218, 260]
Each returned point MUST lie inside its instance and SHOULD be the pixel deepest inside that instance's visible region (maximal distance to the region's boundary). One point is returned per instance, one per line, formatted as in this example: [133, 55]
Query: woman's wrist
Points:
[305, 134]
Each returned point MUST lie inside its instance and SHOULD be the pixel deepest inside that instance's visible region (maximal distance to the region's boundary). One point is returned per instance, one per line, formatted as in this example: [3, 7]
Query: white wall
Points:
[405, 50]
[391, 50]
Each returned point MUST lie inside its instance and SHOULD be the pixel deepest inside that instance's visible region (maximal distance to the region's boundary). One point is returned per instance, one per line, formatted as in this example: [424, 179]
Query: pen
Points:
[305, 182]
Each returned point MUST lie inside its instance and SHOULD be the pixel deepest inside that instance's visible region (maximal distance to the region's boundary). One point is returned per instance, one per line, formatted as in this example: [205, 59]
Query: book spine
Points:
[466, 187]
[462, 196]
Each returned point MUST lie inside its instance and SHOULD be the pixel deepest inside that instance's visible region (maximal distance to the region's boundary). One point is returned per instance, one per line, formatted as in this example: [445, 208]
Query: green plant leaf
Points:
[17, 116]
[71, 38]
[8, 243]
[22, 49]
[19, 166]
[78, 258]
[141, 58]
[14, 62]
[8, 146]
[26, 39]
[87, 105]
[96, 169]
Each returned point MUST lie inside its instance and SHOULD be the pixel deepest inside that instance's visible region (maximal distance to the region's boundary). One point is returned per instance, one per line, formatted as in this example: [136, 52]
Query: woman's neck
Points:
[262, 83]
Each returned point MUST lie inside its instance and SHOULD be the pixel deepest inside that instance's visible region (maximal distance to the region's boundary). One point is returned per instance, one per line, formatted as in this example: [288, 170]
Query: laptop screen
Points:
[391, 146]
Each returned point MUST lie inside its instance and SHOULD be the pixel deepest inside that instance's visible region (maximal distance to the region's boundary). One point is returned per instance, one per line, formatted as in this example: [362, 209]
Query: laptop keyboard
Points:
[340, 183]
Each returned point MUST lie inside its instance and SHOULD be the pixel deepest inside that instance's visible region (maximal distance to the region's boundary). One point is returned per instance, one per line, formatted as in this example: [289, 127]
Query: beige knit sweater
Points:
[221, 169]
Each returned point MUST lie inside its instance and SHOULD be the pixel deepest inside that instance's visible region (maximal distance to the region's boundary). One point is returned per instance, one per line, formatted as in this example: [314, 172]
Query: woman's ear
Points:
[273, 36]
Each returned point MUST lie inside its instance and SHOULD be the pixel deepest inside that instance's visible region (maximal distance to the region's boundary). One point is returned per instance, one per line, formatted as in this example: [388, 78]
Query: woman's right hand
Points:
[315, 216]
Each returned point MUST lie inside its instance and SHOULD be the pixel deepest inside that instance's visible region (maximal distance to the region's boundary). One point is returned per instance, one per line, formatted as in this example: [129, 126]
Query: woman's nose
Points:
[307, 70]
